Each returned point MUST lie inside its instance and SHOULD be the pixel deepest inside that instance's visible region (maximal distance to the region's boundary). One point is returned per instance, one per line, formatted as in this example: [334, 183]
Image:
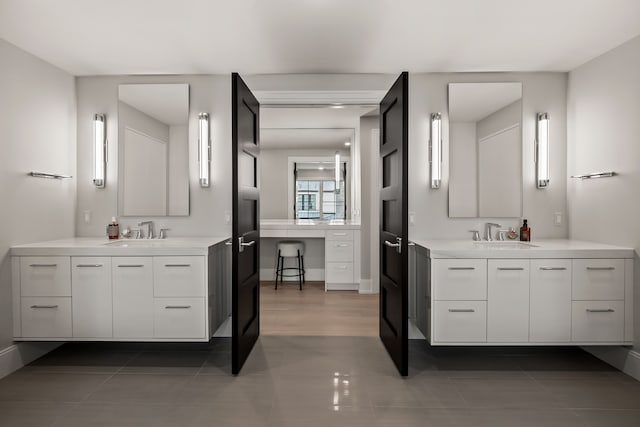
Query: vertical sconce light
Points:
[542, 150]
[337, 176]
[99, 150]
[204, 149]
[435, 150]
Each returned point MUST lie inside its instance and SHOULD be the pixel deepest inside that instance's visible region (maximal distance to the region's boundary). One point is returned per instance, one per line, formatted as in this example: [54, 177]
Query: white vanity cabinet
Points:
[120, 294]
[566, 292]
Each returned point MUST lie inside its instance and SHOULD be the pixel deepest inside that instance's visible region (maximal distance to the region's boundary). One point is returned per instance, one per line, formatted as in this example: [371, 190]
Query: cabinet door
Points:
[550, 317]
[508, 300]
[132, 297]
[91, 297]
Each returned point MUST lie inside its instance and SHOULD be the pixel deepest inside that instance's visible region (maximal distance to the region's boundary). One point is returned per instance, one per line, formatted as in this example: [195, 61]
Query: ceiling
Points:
[472, 102]
[277, 139]
[92, 37]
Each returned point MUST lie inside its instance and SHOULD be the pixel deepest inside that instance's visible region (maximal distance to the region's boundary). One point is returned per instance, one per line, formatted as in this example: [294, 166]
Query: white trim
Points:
[498, 132]
[341, 286]
[624, 359]
[365, 286]
[314, 274]
[18, 355]
[319, 97]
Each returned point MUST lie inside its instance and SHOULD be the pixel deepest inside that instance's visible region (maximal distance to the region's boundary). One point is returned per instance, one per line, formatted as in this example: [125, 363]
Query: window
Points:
[318, 199]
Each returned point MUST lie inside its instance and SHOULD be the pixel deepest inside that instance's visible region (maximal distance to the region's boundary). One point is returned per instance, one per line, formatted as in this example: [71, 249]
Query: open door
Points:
[245, 292]
[394, 260]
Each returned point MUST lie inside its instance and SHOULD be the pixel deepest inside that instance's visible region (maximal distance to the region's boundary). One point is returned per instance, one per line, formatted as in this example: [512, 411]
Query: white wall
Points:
[603, 135]
[37, 133]
[208, 206]
[541, 92]
[367, 125]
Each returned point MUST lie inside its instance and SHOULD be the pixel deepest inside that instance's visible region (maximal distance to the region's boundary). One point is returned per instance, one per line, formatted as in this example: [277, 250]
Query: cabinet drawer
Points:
[179, 276]
[339, 250]
[46, 317]
[339, 272]
[459, 279]
[597, 321]
[460, 321]
[598, 279]
[179, 318]
[339, 235]
[45, 276]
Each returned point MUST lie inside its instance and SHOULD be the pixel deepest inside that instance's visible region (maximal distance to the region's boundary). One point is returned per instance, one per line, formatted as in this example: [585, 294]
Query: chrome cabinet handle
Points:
[510, 268]
[177, 265]
[552, 268]
[44, 306]
[43, 265]
[130, 265]
[461, 268]
[171, 307]
[600, 310]
[341, 245]
[601, 268]
[88, 265]
[341, 267]
[462, 310]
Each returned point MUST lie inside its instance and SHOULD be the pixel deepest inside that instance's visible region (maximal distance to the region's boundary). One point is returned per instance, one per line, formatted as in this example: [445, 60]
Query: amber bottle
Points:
[525, 232]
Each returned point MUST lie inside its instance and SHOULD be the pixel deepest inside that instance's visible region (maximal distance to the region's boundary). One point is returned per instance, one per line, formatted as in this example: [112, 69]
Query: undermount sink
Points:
[503, 244]
[142, 243]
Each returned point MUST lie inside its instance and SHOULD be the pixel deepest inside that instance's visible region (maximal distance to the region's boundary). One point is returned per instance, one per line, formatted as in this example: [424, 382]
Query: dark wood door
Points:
[246, 228]
[394, 260]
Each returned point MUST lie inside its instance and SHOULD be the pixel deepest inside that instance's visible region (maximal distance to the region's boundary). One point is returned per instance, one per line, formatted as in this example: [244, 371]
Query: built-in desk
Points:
[341, 246]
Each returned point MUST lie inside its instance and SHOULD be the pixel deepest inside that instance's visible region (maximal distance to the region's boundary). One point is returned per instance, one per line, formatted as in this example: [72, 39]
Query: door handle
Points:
[397, 245]
[242, 244]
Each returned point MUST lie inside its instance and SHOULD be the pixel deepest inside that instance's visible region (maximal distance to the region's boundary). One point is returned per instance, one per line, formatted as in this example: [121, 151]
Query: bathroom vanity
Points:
[546, 292]
[341, 246]
[86, 289]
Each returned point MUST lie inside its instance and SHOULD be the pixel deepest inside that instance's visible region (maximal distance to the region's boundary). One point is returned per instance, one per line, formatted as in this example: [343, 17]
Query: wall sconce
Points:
[542, 150]
[99, 150]
[337, 170]
[435, 150]
[204, 149]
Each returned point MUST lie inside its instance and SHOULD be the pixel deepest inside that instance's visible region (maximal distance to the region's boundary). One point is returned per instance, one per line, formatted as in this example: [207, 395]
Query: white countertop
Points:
[551, 248]
[305, 224]
[96, 246]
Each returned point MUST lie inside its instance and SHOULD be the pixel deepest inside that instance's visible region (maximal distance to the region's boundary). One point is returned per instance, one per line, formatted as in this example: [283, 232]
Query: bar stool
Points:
[290, 249]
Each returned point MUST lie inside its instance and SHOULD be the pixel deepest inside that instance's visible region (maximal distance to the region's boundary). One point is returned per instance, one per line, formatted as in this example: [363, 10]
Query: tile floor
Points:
[316, 381]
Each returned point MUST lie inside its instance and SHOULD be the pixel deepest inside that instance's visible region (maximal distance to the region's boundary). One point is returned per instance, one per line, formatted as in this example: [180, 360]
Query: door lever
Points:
[242, 244]
[397, 245]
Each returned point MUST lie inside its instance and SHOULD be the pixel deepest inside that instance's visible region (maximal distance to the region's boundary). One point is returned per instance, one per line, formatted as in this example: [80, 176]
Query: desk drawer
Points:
[339, 235]
[339, 250]
[339, 272]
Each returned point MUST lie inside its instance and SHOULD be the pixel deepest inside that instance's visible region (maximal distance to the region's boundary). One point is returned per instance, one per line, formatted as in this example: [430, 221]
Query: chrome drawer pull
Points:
[341, 245]
[177, 265]
[130, 265]
[170, 307]
[339, 234]
[462, 268]
[44, 306]
[341, 267]
[600, 310]
[88, 265]
[510, 268]
[601, 268]
[462, 310]
[43, 265]
[553, 268]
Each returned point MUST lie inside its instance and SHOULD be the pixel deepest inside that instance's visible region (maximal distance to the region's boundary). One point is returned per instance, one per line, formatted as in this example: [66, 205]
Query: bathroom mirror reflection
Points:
[153, 155]
[485, 150]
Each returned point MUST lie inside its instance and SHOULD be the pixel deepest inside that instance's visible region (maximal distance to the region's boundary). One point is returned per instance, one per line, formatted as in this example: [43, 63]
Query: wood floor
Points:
[314, 312]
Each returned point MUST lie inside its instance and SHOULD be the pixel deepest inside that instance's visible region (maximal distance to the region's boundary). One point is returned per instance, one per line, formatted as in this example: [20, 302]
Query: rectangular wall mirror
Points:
[485, 150]
[153, 150]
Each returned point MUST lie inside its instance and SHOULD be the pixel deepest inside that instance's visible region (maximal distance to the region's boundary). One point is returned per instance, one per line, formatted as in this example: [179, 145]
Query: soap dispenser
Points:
[113, 229]
[525, 232]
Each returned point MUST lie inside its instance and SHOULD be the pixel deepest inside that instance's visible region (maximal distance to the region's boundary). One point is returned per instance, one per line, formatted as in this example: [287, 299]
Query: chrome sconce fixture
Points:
[542, 150]
[99, 150]
[204, 149]
[435, 150]
[337, 172]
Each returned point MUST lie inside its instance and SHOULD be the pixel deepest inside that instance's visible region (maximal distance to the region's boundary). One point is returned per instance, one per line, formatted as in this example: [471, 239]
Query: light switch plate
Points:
[87, 217]
[557, 218]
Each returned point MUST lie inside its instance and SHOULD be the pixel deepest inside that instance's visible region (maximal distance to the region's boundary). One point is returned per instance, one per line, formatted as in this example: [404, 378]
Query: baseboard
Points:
[625, 359]
[366, 286]
[18, 355]
[312, 274]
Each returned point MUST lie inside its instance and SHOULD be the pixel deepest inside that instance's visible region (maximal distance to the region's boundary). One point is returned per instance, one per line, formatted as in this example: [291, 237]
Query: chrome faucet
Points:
[149, 225]
[487, 229]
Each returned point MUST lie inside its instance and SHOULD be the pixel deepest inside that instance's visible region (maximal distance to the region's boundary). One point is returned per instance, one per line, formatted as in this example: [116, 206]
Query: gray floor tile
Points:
[83, 361]
[547, 417]
[591, 394]
[167, 362]
[122, 415]
[140, 388]
[505, 393]
[609, 418]
[49, 387]
[32, 414]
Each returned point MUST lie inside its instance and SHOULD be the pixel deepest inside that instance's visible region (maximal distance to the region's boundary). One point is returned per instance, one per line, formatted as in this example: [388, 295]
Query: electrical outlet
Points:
[412, 218]
[227, 217]
[87, 217]
[557, 218]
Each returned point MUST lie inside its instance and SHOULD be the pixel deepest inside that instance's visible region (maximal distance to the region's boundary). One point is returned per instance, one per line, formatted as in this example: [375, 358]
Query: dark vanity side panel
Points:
[423, 291]
[219, 285]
